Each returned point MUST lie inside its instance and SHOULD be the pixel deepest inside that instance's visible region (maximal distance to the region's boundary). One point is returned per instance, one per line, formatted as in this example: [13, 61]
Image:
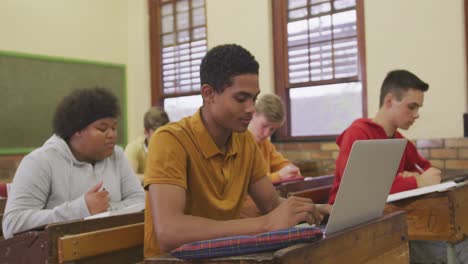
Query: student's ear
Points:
[388, 100]
[78, 133]
[208, 93]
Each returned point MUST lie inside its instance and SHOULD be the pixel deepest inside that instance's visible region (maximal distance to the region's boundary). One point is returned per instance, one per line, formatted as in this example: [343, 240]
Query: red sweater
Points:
[363, 129]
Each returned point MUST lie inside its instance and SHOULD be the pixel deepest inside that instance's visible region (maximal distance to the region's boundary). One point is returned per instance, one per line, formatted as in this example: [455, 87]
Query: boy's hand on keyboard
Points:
[291, 212]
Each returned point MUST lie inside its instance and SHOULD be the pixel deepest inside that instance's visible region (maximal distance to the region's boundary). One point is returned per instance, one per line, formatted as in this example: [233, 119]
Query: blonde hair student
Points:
[137, 150]
[268, 117]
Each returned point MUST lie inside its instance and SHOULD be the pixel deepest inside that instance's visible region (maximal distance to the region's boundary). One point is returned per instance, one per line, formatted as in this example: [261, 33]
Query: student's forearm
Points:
[268, 207]
[265, 196]
[19, 218]
[186, 228]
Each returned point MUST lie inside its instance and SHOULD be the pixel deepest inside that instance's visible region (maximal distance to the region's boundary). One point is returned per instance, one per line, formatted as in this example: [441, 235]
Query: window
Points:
[178, 43]
[319, 65]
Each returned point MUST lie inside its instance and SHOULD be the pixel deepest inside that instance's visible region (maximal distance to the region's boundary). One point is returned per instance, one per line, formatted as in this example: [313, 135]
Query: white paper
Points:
[420, 191]
[127, 210]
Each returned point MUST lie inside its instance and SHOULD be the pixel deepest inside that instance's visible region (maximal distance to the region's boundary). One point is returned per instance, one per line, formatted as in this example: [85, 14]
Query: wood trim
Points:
[466, 47]
[57, 230]
[156, 47]
[182, 94]
[154, 10]
[361, 37]
[95, 243]
[280, 63]
[323, 82]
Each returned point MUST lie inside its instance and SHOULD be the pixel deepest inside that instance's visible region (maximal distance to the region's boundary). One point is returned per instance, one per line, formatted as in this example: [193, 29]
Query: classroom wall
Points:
[138, 66]
[84, 29]
[426, 37]
[247, 23]
[114, 31]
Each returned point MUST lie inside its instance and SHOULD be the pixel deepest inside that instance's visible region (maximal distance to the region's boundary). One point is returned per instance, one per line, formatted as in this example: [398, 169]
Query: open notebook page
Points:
[420, 191]
[126, 210]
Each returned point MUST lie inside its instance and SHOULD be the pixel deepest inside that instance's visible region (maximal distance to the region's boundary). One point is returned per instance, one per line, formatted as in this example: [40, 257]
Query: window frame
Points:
[280, 54]
[466, 48]
[156, 73]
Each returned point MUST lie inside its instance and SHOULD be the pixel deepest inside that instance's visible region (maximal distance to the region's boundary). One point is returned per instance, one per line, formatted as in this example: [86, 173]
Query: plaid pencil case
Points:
[241, 245]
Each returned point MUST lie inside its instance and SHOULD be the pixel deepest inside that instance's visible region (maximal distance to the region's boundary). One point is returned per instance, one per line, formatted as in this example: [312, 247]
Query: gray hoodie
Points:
[50, 184]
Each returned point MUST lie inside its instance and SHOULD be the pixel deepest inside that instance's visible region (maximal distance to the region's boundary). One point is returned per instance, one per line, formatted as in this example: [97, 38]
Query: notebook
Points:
[367, 179]
[134, 208]
[441, 187]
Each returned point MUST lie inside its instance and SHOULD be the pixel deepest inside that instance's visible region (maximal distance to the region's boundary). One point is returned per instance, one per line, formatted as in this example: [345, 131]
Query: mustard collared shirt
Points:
[274, 161]
[216, 183]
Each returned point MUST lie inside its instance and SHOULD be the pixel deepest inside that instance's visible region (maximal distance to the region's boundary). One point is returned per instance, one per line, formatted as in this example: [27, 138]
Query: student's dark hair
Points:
[224, 62]
[82, 107]
[399, 81]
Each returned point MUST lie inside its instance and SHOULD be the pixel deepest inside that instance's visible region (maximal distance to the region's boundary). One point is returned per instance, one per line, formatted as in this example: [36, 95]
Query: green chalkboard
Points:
[31, 87]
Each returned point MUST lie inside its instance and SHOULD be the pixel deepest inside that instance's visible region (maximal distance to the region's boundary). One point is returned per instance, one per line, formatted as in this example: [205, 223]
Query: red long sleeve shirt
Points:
[362, 129]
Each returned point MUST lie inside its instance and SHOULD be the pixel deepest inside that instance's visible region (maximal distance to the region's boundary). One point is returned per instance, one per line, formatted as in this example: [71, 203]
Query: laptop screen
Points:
[366, 182]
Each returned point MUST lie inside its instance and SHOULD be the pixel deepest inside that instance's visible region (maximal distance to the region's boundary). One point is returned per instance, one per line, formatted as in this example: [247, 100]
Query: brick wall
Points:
[450, 155]
[322, 153]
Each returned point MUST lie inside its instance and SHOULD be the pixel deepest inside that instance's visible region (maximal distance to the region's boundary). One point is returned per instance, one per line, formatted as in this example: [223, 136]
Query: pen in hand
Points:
[418, 168]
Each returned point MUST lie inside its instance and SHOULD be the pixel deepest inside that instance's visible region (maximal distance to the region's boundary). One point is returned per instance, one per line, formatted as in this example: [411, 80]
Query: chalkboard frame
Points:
[123, 133]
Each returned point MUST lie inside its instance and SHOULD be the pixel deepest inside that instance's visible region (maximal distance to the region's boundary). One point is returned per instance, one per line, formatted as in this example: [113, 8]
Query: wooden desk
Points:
[381, 241]
[317, 189]
[42, 246]
[319, 194]
[439, 216]
[3, 201]
[436, 216]
[314, 182]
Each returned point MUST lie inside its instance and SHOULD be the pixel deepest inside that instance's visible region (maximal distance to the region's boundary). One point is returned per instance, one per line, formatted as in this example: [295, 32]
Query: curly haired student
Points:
[78, 172]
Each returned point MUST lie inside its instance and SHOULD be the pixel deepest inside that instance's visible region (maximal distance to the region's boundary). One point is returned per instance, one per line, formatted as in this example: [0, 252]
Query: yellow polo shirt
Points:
[136, 154]
[216, 183]
[274, 161]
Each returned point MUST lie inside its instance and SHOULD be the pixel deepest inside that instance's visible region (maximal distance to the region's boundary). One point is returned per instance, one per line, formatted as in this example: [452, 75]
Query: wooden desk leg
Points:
[451, 254]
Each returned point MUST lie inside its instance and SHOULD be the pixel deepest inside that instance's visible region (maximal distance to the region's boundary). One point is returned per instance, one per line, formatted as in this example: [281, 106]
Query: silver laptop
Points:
[366, 182]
